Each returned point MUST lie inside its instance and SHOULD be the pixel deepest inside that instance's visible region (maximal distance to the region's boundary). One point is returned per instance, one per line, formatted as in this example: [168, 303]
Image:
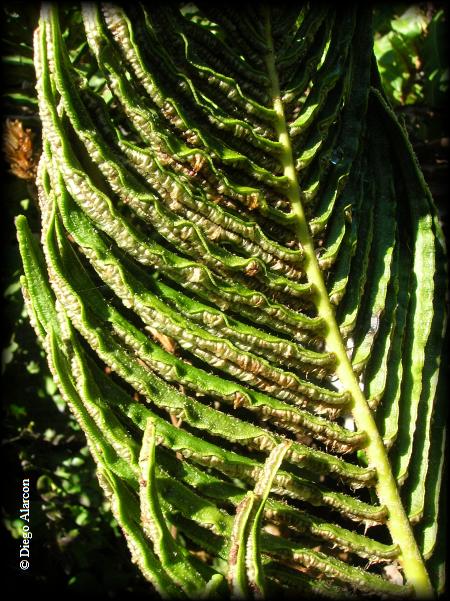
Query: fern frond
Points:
[240, 290]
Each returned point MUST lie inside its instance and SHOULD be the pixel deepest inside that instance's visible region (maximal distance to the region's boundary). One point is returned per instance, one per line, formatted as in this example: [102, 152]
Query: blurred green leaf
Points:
[410, 55]
[433, 61]
[13, 288]
[33, 367]
[17, 411]
[412, 23]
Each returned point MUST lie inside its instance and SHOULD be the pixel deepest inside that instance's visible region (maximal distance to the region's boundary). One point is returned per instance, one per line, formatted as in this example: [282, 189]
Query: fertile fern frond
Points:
[240, 291]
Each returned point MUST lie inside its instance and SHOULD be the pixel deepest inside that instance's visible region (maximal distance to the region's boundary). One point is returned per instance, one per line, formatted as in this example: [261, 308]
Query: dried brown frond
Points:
[19, 150]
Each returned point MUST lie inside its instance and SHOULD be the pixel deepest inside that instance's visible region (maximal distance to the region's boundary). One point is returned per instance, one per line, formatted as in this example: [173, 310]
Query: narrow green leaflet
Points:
[246, 570]
[174, 558]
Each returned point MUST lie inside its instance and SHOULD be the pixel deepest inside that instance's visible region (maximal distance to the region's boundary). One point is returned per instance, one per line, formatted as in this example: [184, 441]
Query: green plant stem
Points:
[388, 493]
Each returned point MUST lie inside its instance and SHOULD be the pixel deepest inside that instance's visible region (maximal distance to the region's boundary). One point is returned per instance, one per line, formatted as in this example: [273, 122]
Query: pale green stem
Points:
[388, 494]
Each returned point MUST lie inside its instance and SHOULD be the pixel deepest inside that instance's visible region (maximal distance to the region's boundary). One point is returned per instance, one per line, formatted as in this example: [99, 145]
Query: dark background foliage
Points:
[77, 546]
